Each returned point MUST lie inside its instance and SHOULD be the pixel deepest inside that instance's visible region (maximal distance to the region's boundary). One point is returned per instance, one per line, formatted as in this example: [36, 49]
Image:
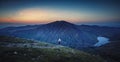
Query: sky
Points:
[45, 11]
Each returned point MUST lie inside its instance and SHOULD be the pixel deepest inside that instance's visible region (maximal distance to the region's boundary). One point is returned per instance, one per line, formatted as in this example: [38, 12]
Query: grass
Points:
[14, 40]
[61, 54]
[45, 55]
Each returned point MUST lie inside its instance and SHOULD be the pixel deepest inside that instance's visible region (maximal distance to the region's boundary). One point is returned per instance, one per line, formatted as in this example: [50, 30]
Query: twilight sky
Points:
[44, 11]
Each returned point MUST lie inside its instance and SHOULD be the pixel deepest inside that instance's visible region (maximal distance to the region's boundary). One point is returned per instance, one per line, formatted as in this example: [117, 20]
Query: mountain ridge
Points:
[71, 35]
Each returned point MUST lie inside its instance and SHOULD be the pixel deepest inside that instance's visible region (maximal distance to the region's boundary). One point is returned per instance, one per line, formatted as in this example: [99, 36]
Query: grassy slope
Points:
[110, 51]
[62, 54]
[13, 39]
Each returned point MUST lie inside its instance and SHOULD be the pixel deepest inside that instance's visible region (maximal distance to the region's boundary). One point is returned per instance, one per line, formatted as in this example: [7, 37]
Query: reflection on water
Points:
[101, 41]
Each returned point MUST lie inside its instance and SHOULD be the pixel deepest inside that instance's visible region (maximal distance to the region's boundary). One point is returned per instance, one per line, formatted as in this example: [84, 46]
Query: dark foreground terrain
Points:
[44, 53]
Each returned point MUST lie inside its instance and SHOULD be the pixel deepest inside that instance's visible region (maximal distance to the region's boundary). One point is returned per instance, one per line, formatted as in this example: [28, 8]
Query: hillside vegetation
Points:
[52, 54]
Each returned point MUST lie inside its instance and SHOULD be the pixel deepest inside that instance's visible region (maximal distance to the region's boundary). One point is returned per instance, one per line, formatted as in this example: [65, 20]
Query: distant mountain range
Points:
[76, 36]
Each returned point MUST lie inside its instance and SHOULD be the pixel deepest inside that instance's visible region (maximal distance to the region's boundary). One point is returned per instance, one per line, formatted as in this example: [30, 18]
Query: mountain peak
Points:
[58, 25]
[61, 22]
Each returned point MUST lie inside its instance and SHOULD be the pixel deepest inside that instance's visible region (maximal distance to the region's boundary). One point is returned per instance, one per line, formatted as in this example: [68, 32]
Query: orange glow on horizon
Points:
[37, 15]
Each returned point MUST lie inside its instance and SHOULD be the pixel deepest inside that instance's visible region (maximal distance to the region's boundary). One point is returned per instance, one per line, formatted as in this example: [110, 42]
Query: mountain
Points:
[113, 33]
[75, 36]
[42, 54]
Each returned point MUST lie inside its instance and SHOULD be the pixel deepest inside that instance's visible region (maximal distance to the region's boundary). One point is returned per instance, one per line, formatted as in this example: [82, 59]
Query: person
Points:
[59, 41]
